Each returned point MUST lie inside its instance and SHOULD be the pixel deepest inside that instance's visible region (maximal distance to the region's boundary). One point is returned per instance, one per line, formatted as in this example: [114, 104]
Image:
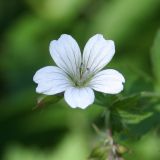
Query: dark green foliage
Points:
[136, 114]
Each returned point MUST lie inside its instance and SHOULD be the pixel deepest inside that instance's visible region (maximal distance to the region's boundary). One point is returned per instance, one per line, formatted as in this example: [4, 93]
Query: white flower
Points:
[77, 75]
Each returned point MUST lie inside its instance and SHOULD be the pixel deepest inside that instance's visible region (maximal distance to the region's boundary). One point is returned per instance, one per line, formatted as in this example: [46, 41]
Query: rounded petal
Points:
[79, 97]
[108, 81]
[66, 54]
[97, 53]
[51, 80]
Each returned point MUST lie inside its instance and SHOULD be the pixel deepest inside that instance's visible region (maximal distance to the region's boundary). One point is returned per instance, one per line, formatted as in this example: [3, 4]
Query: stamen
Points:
[82, 77]
[81, 70]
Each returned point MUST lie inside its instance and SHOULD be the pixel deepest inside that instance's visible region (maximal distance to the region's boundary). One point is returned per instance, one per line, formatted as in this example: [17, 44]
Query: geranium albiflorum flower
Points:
[78, 75]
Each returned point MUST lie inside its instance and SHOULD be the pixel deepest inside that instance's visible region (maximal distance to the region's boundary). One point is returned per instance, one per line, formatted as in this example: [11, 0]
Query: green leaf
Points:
[105, 100]
[135, 102]
[45, 100]
[155, 57]
[125, 102]
[145, 125]
[130, 111]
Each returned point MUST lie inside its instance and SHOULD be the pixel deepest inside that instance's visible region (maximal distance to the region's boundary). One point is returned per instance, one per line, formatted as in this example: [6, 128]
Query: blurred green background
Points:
[57, 132]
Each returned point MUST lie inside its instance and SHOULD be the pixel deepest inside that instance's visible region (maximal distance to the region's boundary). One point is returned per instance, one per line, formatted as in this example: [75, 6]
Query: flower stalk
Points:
[109, 149]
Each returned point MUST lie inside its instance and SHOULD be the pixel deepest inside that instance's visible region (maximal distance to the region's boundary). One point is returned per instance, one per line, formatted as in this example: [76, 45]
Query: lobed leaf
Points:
[135, 110]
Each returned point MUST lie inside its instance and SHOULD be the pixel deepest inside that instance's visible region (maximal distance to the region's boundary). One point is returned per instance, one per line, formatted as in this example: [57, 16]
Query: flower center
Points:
[83, 77]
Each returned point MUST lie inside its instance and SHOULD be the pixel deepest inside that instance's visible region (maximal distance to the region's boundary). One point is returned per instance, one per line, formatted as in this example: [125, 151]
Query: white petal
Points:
[79, 97]
[66, 54]
[51, 80]
[108, 81]
[97, 53]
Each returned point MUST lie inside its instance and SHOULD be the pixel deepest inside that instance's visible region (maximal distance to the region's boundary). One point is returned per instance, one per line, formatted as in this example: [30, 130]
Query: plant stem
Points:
[113, 154]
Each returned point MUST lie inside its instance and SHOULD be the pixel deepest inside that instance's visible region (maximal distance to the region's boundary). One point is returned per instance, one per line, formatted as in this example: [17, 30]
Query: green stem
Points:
[107, 119]
[113, 153]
